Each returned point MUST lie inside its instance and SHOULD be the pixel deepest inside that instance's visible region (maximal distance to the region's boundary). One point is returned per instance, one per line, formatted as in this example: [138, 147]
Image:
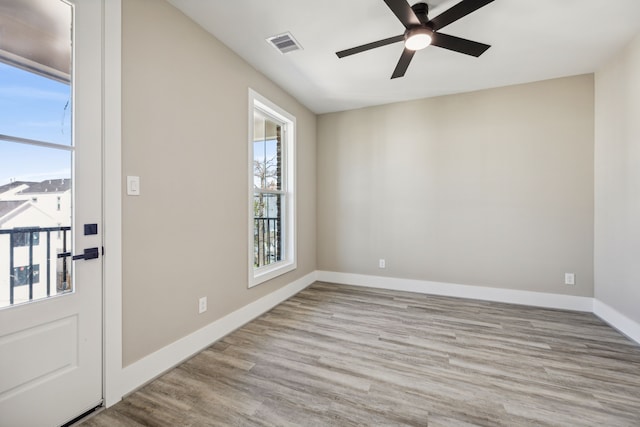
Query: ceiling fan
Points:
[421, 32]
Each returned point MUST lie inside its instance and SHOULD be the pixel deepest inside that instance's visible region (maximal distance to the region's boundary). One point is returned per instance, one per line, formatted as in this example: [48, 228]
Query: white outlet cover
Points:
[202, 305]
[569, 278]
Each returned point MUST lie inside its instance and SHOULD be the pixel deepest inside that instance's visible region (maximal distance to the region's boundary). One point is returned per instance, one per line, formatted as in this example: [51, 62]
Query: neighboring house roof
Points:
[6, 187]
[9, 206]
[49, 186]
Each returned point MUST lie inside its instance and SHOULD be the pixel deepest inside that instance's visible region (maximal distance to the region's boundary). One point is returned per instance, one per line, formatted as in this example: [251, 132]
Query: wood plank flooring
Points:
[345, 356]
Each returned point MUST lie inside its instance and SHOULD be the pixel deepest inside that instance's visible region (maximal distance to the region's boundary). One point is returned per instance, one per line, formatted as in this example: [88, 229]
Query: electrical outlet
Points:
[202, 305]
[569, 278]
[382, 263]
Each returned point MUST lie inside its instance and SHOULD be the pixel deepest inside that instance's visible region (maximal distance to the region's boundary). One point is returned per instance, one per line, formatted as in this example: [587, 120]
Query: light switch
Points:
[133, 185]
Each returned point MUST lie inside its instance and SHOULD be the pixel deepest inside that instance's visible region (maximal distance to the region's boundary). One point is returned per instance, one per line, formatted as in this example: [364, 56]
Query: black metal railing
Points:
[28, 275]
[266, 241]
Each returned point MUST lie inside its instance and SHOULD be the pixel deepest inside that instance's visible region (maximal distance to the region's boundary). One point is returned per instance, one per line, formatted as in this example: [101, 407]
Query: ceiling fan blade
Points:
[370, 46]
[457, 44]
[403, 63]
[404, 12]
[458, 11]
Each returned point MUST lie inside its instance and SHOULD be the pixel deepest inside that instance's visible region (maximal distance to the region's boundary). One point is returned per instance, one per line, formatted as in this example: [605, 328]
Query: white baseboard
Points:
[151, 366]
[537, 299]
[617, 320]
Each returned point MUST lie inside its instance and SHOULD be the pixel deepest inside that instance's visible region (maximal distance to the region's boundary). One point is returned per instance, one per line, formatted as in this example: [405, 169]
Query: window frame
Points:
[288, 122]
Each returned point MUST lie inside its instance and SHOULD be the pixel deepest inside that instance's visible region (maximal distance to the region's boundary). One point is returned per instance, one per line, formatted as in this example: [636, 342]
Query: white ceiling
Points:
[531, 40]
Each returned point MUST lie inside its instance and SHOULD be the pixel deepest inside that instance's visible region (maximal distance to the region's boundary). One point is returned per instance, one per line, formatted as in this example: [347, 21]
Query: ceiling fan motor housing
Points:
[419, 36]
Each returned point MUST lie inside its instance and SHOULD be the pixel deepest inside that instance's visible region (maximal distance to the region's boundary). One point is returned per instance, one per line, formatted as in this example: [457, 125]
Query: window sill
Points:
[263, 274]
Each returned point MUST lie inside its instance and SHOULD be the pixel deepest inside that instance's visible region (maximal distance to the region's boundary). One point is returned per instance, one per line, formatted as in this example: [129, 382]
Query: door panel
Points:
[60, 337]
[51, 345]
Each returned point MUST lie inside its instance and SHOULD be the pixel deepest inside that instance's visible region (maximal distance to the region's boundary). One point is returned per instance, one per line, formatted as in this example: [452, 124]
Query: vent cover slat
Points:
[285, 43]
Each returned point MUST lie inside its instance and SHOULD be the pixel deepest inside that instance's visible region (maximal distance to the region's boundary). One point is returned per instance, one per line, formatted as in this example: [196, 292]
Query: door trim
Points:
[112, 193]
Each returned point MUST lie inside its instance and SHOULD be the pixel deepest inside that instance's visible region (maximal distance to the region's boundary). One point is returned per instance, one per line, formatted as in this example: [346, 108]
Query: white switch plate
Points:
[133, 185]
[569, 278]
[382, 263]
[202, 305]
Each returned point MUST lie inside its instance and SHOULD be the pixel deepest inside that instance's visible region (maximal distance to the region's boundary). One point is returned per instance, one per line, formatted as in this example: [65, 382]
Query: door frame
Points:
[112, 206]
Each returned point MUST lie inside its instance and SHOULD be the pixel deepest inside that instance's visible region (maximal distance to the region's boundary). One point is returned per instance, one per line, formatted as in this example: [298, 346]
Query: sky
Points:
[33, 107]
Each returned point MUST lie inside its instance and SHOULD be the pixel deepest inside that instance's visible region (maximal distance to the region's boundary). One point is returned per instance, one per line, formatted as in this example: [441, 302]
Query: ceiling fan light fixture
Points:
[418, 38]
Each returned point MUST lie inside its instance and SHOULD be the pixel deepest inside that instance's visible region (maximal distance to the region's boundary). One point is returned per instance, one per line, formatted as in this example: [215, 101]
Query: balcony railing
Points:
[28, 272]
[267, 242]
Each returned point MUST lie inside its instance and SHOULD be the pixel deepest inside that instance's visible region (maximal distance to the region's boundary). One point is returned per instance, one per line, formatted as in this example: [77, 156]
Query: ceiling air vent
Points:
[285, 43]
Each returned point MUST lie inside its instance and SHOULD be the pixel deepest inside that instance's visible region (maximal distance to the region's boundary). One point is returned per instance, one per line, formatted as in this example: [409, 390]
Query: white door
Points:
[50, 188]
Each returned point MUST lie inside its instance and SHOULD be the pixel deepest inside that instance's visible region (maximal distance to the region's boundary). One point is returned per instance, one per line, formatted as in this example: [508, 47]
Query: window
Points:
[21, 275]
[271, 193]
[26, 238]
[36, 144]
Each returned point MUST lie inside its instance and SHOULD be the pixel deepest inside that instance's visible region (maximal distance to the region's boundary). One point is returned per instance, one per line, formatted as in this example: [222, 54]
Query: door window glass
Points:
[36, 150]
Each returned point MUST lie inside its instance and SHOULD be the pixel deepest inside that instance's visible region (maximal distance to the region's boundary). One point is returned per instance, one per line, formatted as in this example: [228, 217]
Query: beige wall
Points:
[185, 132]
[617, 183]
[491, 188]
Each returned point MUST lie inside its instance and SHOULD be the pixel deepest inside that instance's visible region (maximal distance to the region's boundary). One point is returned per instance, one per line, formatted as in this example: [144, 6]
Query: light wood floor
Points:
[343, 356]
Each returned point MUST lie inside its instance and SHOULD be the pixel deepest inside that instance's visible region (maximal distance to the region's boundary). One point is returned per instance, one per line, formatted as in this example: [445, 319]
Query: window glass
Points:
[36, 150]
[34, 107]
[267, 177]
